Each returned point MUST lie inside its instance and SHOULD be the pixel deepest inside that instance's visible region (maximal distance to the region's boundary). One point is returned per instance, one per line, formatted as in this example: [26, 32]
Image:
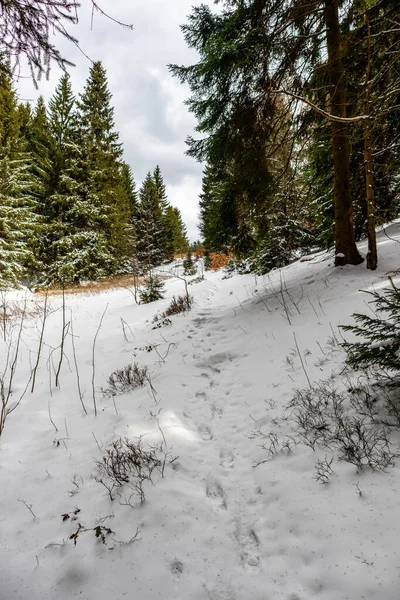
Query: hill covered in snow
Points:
[203, 483]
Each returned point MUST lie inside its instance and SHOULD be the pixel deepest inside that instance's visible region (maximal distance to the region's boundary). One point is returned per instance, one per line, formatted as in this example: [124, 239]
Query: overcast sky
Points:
[150, 115]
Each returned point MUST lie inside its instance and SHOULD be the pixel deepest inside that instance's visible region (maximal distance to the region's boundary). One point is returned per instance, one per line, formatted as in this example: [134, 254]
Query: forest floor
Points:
[235, 509]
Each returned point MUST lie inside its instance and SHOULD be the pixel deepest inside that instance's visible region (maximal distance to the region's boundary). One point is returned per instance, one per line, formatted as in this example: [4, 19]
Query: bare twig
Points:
[76, 368]
[93, 361]
[28, 506]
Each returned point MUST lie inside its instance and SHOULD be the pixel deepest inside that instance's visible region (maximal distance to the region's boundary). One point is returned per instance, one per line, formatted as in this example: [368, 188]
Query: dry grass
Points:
[95, 287]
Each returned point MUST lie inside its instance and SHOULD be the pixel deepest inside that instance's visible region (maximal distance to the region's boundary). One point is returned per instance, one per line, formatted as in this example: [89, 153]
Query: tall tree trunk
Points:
[372, 255]
[346, 249]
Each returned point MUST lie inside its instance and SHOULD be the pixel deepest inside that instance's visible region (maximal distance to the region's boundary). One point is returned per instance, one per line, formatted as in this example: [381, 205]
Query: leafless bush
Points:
[181, 304]
[323, 470]
[127, 463]
[272, 445]
[8, 374]
[324, 417]
[123, 380]
[160, 321]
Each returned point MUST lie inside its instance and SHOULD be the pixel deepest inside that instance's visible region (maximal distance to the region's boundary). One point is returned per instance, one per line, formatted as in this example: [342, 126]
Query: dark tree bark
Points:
[346, 249]
[372, 255]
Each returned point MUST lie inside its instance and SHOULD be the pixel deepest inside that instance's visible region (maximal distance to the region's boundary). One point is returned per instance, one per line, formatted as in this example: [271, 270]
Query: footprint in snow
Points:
[201, 395]
[249, 547]
[220, 591]
[227, 459]
[205, 432]
[176, 568]
[217, 410]
[215, 492]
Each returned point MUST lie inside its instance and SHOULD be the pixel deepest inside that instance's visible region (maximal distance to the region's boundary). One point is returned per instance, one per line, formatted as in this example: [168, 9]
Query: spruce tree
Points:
[256, 62]
[149, 227]
[380, 334]
[129, 185]
[90, 209]
[60, 211]
[177, 241]
[101, 169]
[18, 219]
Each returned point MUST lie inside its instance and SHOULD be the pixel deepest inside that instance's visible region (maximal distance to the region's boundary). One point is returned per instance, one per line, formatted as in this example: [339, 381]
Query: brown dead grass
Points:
[95, 287]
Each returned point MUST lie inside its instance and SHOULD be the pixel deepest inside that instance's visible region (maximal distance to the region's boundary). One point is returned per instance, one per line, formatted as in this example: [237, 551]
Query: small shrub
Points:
[198, 279]
[323, 470]
[241, 267]
[188, 265]
[152, 290]
[326, 418]
[160, 321]
[99, 531]
[218, 261]
[181, 304]
[126, 379]
[127, 463]
[380, 348]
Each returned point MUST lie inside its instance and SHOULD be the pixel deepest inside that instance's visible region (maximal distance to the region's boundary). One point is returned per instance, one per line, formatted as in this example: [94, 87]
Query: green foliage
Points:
[269, 155]
[152, 290]
[380, 348]
[189, 265]
[18, 221]
[69, 206]
[18, 216]
[149, 227]
[176, 235]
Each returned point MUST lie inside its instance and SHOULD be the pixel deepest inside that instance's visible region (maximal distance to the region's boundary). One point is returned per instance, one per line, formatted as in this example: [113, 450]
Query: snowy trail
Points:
[216, 527]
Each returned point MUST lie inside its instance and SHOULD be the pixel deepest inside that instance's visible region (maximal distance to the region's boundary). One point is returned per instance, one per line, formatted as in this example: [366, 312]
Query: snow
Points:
[215, 527]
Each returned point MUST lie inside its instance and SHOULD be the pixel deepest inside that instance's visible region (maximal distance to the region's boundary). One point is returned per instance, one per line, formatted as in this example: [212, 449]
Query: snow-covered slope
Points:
[215, 527]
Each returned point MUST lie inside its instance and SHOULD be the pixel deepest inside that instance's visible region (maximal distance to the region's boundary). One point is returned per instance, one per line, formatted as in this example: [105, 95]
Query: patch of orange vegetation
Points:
[219, 261]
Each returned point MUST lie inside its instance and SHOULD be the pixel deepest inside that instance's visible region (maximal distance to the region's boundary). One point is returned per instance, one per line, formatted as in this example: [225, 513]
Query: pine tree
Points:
[129, 185]
[39, 144]
[149, 226]
[153, 289]
[90, 210]
[188, 264]
[165, 237]
[256, 59]
[177, 241]
[58, 220]
[101, 168]
[161, 189]
[380, 347]
[18, 220]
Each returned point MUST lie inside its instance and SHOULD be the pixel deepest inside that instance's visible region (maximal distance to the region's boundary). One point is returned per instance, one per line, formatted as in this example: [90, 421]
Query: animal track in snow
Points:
[217, 410]
[220, 591]
[176, 568]
[215, 492]
[205, 432]
[227, 459]
[249, 547]
[201, 395]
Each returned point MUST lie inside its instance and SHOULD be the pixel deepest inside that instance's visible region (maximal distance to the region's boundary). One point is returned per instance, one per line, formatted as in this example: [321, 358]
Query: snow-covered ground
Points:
[215, 527]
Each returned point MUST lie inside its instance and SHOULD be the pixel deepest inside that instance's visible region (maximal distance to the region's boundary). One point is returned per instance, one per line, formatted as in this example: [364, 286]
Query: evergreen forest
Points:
[297, 107]
[70, 210]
